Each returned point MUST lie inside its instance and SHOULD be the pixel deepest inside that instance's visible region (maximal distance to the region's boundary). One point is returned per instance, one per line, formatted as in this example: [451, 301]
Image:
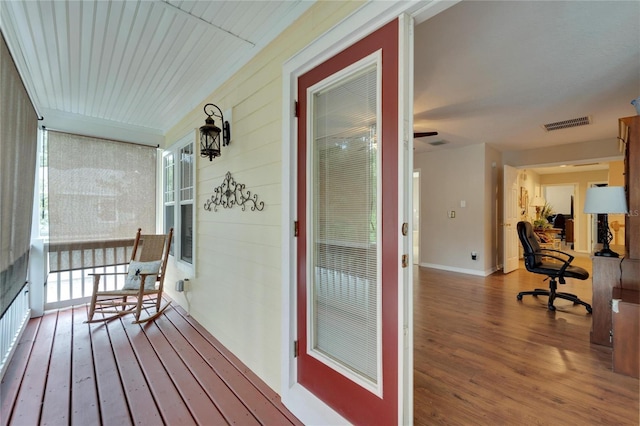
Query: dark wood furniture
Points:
[568, 231]
[620, 278]
[609, 273]
[606, 275]
[630, 132]
[626, 331]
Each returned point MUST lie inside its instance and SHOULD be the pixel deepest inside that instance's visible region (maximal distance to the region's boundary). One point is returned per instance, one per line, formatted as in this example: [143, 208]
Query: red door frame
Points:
[356, 404]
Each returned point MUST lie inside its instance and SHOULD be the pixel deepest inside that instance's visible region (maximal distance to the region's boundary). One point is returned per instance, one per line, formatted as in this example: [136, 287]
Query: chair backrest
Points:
[150, 247]
[530, 244]
[559, 221]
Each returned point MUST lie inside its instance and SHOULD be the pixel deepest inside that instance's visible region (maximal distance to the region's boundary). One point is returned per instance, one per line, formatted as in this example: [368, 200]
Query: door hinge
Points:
[295, 349]
[296, 228]
[296, 109]
[405, 260]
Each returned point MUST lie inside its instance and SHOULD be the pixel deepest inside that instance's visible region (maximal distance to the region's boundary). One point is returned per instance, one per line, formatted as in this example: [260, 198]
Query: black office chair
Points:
[538, 261]
[560, 222]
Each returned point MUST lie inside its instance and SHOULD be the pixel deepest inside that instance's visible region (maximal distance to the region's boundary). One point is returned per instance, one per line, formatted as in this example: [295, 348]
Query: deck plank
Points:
[123, 373]
[201, 407]
[114, 409]
[31, 394]
[251, 390]
[227, 402]
[84, 396]
[169, 401]
[143, 408]
[12, 378]
[55, 407]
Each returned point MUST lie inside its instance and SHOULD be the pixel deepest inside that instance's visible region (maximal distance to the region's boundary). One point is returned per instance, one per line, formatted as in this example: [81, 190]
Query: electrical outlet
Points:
[474, 255]
[451, 214]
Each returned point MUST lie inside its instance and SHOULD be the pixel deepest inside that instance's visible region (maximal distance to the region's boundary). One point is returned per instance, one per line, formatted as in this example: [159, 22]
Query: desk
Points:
[626, 331]
[548, 237]
[548, 231]
[609, 272]
[606, 275]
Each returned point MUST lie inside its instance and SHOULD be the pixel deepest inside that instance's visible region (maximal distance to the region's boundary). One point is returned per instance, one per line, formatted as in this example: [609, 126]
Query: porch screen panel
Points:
[100, 191]
[345, 292]
[18, 149]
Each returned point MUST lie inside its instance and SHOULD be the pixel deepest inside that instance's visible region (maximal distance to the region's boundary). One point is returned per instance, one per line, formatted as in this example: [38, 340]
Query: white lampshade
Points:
[605, 199]
[538, 202]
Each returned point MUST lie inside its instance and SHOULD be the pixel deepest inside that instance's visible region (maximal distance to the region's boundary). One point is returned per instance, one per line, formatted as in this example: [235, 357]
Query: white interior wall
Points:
[449, 179]
[570, 153]
[559, 197]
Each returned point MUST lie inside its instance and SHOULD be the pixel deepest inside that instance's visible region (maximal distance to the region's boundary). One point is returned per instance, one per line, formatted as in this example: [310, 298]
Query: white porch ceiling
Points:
[485, 71]
[135, 65]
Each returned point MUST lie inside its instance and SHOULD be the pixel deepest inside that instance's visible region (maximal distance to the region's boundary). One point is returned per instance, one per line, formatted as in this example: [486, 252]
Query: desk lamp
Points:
[538, 203]
[605, 200]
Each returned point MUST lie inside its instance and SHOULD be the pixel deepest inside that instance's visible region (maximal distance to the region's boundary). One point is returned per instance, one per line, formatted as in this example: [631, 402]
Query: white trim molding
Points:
[371, 16]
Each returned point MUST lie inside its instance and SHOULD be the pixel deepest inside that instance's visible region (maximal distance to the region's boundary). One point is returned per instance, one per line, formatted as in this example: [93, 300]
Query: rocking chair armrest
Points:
[107, 273]
[96, 278]
[143, 277]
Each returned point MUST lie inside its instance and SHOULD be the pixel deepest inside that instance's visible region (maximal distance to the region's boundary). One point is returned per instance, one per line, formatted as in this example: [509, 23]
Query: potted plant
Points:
[545, 212]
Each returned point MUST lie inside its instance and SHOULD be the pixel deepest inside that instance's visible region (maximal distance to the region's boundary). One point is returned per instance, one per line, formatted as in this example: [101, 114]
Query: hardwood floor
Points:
[483, 358]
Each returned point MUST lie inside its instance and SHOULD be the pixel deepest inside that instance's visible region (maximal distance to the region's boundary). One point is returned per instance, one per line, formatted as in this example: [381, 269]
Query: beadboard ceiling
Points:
[485, 71]
[135, 65]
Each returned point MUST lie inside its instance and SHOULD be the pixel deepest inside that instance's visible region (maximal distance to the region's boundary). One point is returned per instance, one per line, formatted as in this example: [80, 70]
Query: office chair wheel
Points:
[551, 307]
[519, 297]
[588, 309]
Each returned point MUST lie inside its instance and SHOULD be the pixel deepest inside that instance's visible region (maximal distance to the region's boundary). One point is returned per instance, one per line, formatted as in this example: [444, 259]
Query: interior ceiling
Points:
[496, 72]
[485, 72]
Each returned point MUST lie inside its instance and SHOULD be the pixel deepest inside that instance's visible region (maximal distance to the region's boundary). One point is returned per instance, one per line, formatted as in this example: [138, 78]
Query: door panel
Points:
[511, 245]
[347, 256]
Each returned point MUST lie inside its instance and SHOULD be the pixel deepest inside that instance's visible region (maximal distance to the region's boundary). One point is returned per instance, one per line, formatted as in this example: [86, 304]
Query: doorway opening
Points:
[561, 200]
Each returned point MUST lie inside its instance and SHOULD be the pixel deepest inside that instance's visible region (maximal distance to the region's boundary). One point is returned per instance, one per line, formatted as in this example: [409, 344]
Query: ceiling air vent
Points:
[438, 142]
[574, 122]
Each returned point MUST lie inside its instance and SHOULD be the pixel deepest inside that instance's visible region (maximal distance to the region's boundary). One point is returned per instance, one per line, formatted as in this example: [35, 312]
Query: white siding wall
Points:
[236, 291]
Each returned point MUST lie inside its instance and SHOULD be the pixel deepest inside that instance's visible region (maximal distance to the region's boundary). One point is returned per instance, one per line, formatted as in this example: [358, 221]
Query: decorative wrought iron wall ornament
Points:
[231, 193]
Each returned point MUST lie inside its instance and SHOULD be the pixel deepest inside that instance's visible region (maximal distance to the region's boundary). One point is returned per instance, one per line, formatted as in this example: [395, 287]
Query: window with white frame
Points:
[178, 197]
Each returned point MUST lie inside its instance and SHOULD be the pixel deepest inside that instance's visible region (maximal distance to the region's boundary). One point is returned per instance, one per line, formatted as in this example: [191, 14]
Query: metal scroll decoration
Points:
[231, 193]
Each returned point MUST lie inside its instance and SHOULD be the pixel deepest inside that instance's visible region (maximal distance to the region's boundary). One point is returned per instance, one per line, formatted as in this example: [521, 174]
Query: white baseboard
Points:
[460, 270]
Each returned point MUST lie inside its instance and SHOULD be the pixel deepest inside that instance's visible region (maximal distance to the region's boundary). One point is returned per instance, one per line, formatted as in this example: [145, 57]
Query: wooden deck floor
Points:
[168, 372]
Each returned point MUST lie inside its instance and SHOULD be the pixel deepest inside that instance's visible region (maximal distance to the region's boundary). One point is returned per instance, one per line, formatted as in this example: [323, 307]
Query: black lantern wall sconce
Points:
[210, 133]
